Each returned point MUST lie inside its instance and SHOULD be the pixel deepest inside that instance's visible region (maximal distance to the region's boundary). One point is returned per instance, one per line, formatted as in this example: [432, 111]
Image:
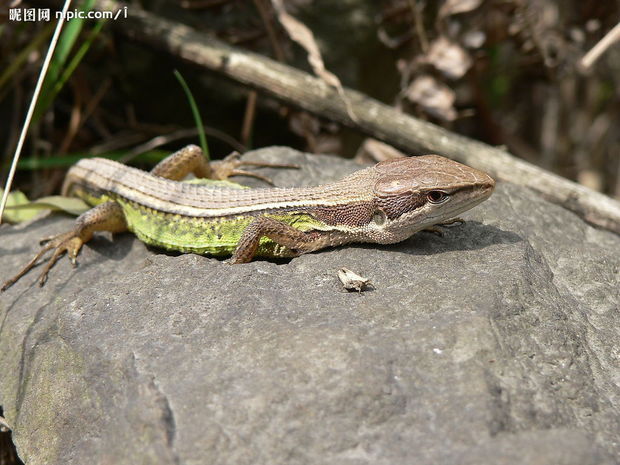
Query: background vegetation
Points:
[506, 72]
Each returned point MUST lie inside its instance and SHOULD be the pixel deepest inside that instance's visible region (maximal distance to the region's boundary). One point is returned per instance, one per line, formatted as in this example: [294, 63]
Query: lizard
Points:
[384, 204]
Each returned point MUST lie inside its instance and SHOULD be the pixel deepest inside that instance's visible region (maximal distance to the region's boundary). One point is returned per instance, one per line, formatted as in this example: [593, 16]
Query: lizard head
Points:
[415, 193]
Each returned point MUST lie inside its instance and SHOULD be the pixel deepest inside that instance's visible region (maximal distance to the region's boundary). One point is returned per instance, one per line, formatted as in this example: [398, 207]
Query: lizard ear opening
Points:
[378, 218]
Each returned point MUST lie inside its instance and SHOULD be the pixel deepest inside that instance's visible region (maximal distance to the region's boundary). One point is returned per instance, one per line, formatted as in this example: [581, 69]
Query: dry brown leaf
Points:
[351, 281]
[453, 7]
[300, 33]
[448, 57]
[434, 97]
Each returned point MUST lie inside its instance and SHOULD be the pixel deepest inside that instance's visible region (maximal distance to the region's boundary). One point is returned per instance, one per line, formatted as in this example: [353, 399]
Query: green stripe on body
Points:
[211, 236]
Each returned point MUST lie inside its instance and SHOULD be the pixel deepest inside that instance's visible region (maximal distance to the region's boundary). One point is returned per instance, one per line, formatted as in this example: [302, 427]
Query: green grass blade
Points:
[196, 113]
[66, 42]
[77, 58]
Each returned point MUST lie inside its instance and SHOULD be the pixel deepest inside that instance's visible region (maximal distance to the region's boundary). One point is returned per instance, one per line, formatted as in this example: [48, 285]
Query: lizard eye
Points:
[437, 196]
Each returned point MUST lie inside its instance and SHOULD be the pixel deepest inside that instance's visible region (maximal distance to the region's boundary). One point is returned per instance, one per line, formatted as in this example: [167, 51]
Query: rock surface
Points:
[495, 344]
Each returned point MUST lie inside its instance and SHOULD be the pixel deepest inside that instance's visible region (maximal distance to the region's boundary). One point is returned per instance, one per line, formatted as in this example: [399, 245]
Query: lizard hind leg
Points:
[107, 216]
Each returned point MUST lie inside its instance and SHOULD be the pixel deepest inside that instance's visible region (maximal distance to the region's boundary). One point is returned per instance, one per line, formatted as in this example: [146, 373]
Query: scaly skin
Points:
[384, 204]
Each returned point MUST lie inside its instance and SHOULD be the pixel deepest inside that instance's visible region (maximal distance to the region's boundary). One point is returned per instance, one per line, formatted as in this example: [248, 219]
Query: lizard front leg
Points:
[297, 241]
[107, 216]
[190, 159]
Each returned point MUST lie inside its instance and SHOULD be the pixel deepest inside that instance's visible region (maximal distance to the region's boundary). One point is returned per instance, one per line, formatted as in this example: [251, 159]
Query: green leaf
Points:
[20, 209]
[16, 198]
[70, 205]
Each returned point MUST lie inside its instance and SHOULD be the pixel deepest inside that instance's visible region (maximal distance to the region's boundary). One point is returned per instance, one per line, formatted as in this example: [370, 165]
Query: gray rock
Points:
[495, 344]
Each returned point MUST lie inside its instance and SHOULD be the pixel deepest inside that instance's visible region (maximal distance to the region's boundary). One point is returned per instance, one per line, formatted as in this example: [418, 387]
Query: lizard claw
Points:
[436, 228]
[252, 175]
[67, 242]
[230, 165]
[452, 222]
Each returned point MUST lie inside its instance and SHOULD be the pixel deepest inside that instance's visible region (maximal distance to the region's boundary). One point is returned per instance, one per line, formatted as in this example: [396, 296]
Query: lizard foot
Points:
[436, 228]
[452, 222]
[69, 242]
[230, 166]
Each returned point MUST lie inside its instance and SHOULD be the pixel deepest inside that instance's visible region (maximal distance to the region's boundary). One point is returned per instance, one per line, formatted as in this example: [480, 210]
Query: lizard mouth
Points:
[477, 195]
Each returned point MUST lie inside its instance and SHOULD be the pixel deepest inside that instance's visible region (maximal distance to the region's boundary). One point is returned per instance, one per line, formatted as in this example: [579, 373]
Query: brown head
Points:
[414, 193]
